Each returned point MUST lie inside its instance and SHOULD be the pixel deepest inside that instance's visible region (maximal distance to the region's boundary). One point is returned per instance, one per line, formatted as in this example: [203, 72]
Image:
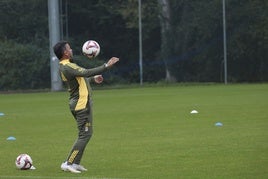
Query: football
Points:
[91, 48]
[24, 162]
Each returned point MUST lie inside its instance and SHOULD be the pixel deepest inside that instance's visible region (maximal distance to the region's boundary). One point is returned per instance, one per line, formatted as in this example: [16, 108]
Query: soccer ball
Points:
[91, 48]
[24, 162]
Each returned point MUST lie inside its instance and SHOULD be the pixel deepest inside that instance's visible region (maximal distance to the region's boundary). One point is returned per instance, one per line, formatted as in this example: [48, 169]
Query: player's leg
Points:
[85, 128]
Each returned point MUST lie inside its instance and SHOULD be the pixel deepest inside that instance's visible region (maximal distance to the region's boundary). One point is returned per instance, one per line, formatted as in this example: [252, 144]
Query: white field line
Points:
[49, 177]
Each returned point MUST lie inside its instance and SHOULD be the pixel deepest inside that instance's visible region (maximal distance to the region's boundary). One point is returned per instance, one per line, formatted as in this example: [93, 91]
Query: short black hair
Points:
[59, 49]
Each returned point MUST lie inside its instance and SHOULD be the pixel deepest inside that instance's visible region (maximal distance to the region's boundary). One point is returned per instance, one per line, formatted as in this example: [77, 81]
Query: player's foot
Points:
[79, 167]
[72, 169]
[64, 166]
[69, 168]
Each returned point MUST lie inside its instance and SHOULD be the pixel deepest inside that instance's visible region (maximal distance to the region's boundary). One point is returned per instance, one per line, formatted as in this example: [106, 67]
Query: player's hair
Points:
[59, 49]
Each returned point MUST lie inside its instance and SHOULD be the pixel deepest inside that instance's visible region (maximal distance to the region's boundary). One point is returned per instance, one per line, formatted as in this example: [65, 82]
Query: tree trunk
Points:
[164, 17]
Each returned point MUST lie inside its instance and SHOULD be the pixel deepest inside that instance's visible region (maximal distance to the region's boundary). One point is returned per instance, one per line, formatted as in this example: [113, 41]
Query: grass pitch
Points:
[142, 133]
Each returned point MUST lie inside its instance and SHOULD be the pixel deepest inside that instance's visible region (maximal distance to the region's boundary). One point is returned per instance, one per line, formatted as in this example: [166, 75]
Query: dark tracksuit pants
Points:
[85, 130]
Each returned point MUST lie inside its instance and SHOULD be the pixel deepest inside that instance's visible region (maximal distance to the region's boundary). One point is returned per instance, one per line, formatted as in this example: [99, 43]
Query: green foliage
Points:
[143, 133]
[248, 34]
[24, 21]
[195, 41]
[192, 51]
[23, 66]
[24, 45]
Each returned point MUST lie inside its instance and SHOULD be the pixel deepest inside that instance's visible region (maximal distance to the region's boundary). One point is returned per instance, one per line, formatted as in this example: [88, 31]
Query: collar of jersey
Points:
[65, 61]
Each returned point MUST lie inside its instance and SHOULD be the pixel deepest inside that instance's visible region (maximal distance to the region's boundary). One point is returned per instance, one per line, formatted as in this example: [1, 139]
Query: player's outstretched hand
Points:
[98, 79]
[112, 61]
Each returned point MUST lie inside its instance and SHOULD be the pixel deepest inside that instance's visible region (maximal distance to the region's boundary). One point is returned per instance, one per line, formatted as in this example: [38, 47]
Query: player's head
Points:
[63, 50]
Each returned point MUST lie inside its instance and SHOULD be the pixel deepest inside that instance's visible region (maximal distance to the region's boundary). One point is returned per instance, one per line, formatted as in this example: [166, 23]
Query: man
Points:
[78, 81]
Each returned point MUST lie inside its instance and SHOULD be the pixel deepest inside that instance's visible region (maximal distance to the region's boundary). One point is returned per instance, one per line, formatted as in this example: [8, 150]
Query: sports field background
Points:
[143, 132]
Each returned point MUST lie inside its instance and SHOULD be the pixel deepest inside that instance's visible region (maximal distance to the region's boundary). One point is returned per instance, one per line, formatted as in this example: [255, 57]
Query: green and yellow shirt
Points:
[78, 81]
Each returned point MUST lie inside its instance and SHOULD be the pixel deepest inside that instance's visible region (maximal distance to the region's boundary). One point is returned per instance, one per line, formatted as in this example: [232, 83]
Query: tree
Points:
[182, 40]
[23, 41]
[23, 66]
[165, 21]
[248, 34]
[24, 21]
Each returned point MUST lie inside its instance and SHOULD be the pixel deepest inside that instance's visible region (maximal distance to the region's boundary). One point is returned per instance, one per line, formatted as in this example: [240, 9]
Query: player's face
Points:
[68, 51]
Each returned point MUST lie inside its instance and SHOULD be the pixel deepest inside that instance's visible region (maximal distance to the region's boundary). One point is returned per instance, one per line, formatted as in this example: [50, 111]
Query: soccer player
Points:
[78, 81]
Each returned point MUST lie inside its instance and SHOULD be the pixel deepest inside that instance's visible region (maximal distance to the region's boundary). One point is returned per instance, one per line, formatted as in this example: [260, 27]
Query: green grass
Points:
[143, 133]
